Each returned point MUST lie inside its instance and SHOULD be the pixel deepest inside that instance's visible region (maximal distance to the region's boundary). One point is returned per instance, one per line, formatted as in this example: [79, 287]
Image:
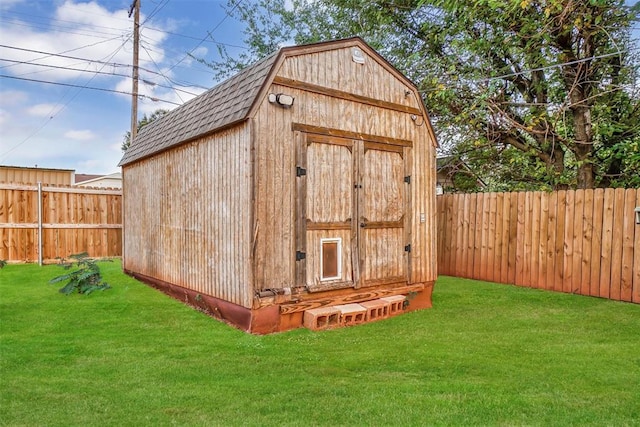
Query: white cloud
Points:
[80, 135]
[43, 110]
[82, 30]
[12, 97]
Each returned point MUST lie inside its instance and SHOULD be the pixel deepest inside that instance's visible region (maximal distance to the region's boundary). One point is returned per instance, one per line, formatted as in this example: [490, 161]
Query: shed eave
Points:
[186, 141]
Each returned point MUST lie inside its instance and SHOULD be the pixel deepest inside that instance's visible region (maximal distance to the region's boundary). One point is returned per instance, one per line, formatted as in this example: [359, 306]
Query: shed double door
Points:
[353, 197]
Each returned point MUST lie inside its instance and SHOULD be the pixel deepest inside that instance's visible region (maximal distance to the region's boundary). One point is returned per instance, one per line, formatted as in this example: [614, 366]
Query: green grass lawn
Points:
[485, 354]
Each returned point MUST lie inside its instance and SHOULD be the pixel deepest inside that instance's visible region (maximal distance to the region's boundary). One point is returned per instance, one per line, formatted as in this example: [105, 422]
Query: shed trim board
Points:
[319, 130]
[308, 87]
[241, 205]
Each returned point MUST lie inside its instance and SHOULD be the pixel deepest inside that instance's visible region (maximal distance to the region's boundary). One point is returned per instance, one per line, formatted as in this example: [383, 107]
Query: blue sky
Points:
[56, 126]
[80, 128]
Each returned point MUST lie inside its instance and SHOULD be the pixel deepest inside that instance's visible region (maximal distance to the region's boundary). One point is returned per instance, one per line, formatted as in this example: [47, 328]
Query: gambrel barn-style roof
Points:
[219, 107]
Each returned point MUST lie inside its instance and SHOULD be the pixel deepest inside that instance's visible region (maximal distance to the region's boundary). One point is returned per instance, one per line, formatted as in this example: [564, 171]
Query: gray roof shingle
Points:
[226, 103]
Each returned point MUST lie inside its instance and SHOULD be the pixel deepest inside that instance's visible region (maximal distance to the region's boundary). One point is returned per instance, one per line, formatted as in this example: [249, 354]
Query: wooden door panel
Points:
[383, 186]
[382, 215]
[329, 213]
[329, 187]
[386, 259]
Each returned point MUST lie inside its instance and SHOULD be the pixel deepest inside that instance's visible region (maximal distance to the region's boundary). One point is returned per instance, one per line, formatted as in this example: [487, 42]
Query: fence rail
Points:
[42, 223]
[584, 241]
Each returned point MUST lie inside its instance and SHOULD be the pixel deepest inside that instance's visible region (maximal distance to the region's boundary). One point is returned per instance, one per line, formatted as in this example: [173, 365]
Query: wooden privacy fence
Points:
[41, 223]
[584, 241]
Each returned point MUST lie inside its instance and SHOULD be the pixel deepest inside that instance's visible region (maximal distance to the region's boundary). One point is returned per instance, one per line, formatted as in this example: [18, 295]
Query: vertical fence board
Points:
[463, 264]
[587, 235]
[559, 242]
[477, 243]
[535, 240]
[458, 208]
[513, 236]
[607, 237]
[551, 239]
[491, 238]
[542, 246]
[567, 271]
[473, 205]
[526, 255]
[626, 273]
[617, 243]
[596, 244]
[635, 291]
[506, 226]
[578, 237]
[448, 234]
[484, 248]
[440, 203]
[520, 241]
[497, 273]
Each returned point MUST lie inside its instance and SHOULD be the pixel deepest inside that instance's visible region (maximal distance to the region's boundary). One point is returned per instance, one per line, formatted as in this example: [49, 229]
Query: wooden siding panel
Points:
[196, 234]
[275, 246]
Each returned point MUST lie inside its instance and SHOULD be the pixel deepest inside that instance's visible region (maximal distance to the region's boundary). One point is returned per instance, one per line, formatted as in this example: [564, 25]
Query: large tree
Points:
[532, 93]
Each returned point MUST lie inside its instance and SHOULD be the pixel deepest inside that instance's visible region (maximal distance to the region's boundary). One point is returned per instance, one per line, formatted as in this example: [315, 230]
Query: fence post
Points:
[40, 223]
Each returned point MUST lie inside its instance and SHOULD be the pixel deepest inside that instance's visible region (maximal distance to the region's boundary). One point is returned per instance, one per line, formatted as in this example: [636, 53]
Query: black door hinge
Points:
[300, 171]
[407, 248]
[300, 255]
[407, 179]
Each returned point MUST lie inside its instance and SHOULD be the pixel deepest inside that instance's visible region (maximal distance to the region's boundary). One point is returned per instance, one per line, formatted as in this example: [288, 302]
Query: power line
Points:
[61, 54]
[88, 32]
[98, 72]
[155, 11]
[88, 87]
[154, 62]
[53, 112]
[112, 64]
[207, 39]
[226, 15]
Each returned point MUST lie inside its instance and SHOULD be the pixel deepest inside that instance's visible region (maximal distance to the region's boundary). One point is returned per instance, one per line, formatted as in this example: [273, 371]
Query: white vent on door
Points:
[357, 55]
[331, 259]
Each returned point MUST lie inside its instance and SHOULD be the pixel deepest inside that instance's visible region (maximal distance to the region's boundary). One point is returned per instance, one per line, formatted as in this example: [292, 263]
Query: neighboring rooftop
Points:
[82, 177]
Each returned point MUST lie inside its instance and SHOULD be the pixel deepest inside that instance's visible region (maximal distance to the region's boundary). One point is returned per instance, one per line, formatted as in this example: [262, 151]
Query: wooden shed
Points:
[304, 183]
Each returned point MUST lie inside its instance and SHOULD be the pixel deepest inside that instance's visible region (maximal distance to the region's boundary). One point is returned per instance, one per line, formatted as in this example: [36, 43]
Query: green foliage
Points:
[145, 120]
[2, 263]
[555, 80]
[85, 279]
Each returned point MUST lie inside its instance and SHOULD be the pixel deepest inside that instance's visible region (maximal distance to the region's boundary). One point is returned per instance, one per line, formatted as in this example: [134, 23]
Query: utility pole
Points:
[135, 10]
